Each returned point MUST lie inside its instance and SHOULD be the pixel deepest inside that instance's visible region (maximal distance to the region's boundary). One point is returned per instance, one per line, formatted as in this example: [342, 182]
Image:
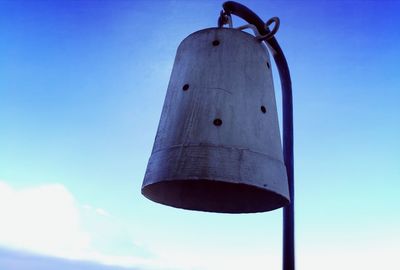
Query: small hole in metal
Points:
[217, 122]
[185, 87]
[215, 42]
[263, 109]
[268, 65]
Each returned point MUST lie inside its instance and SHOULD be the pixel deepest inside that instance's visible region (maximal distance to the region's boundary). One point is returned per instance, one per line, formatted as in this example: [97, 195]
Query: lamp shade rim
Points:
[214, 196]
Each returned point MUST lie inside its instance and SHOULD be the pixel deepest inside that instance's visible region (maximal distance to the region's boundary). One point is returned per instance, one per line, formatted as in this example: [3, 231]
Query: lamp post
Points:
[213, 150]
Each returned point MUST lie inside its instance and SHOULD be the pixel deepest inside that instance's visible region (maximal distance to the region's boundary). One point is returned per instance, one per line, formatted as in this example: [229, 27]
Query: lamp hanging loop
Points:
[225, 18]
[271, 33]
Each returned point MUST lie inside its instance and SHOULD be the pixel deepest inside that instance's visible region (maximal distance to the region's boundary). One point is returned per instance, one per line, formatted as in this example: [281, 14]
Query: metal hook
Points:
[225, 18]
[273, 31]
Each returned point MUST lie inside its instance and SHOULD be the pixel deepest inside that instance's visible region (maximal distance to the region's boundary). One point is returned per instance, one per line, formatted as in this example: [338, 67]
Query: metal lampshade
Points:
[218, 146]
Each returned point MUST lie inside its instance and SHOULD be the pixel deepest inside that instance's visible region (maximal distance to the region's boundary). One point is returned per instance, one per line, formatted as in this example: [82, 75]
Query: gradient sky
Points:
[82, 85]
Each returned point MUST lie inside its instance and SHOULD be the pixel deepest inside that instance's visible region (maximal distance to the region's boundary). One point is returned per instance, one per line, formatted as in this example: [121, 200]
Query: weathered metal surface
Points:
[218, 144]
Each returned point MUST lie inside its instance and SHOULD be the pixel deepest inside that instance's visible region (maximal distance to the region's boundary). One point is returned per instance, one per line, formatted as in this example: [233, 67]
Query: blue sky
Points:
[82, 85]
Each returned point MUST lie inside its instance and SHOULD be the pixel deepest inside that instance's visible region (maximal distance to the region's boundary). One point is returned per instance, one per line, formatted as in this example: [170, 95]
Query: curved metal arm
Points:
[245, 13]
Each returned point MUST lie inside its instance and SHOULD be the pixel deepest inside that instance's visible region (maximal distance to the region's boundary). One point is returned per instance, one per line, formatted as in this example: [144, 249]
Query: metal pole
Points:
[245, 13]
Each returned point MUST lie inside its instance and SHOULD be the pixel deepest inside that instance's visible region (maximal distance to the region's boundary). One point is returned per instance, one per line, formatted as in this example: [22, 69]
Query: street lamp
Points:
[218, 147]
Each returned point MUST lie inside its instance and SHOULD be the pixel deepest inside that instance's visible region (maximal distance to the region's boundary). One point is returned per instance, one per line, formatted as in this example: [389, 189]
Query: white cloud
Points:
[98, 211]
[46, 220]
[102, 212]
[43, 219]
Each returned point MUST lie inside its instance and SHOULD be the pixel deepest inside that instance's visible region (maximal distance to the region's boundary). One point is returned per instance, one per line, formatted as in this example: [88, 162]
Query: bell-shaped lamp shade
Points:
[218, 146]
